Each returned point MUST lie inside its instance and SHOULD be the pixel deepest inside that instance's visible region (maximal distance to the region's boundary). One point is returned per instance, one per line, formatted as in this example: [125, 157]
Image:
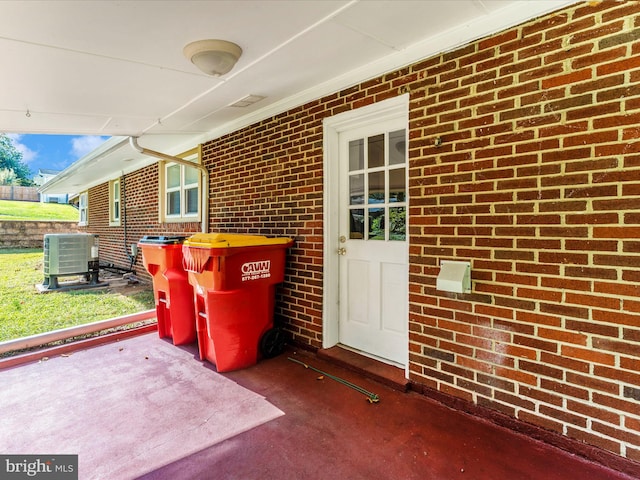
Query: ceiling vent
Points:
[246, 101]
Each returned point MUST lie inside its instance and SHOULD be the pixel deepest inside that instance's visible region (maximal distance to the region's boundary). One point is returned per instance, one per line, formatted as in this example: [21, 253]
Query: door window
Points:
[378, 182]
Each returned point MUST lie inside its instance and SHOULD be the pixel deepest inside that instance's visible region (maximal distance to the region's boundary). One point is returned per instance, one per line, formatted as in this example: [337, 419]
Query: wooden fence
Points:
[25, 194]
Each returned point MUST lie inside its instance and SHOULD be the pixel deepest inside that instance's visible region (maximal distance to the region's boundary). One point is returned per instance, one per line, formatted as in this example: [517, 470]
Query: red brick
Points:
[623, 10]
[622, 376]
[615, 121]
[540, 395]
[543, 422]
[617, 433]
[563, 361]
[591, 439]
[593, 273]
[568, 154]
[590, 139]
[566, 283]
[598, 84]
[496, 40]
[616, 232]
[593, 300]
[562, 388]
[565, 54]
[618, 66]
[587, 355]
[593, 111]
[563, 336]
[564, 310]
[593, 328]
[568, 78]
[619, 318]
[538, 319]
[617, 288]
[546, 23]
[591, 382]
[563, 258]
[615, 403]
[610, 345]
[564, 416]
[591, 411]
[592, 245]
[599, 57]
[515, 375]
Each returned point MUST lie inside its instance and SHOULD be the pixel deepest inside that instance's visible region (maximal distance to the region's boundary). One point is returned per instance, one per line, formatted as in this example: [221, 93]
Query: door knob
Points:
[342, 251]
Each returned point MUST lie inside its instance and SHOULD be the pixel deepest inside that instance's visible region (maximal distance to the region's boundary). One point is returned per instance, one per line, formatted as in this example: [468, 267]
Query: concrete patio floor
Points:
[142, 408]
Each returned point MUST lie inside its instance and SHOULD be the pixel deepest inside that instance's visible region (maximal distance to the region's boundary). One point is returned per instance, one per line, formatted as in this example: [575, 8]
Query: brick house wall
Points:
[524, 160]
[139, 209]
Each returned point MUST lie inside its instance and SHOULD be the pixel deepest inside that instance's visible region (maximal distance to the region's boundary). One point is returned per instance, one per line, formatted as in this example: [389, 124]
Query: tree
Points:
[8, 177]
[11, 159]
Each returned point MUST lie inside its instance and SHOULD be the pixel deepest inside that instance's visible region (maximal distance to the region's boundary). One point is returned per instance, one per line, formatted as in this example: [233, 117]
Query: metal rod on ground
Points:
[372, 397]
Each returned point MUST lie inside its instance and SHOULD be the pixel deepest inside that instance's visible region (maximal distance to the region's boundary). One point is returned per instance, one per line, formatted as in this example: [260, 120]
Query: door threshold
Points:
[389, 375]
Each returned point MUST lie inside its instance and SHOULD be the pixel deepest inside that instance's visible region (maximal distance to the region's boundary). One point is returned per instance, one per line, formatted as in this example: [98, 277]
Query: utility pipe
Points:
[133, 141]
[70, 332]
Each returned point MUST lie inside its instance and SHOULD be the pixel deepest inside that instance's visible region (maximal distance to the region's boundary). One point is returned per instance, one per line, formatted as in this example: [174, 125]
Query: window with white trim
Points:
[180, 192]
[83, 208]
[114, 203]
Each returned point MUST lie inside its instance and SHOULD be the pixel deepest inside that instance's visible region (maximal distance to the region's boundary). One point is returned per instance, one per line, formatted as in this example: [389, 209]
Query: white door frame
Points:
[332, 127]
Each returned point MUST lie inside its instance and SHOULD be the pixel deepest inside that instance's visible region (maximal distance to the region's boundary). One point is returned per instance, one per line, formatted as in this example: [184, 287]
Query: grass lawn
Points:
[12, 210]
[24, 311]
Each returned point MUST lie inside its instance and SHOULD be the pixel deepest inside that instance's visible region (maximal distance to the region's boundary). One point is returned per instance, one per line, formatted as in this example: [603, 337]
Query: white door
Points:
[373, 240]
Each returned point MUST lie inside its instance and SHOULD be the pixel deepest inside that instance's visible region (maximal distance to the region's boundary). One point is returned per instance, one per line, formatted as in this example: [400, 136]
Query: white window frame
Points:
[83, 209]
[193, 155]
[115, 203]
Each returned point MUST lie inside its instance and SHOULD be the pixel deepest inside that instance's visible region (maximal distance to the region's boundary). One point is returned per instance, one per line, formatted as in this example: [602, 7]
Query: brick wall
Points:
[140, 199]
[536, 181]
[267, 180]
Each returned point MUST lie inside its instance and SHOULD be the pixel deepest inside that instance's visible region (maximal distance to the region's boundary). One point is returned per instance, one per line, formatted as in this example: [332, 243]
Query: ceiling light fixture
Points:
[213, 57]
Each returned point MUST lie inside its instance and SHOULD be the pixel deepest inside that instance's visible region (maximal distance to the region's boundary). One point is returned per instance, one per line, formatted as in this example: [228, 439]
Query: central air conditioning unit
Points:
[70, 254]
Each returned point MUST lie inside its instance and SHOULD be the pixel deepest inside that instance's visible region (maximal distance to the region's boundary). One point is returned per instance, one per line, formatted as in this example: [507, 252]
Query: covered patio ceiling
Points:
[117, 68]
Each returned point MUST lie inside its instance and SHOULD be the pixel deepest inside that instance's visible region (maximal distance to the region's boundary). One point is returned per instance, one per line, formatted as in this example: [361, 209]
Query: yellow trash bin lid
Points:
[233, 240]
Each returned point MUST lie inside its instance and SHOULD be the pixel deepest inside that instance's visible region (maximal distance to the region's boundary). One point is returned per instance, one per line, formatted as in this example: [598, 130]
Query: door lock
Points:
[342, 251]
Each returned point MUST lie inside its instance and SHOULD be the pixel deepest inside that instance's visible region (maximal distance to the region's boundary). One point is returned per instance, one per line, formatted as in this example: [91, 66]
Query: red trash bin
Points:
[162, 257]
[234, 277]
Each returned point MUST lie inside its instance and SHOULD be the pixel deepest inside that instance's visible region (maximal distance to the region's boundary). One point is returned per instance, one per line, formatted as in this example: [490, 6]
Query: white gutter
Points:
[133, 141]
[106, 148]
[70, 332]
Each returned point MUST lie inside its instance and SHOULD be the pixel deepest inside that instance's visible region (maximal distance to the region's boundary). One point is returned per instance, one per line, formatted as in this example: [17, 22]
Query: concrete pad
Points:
[142, 408]
[126, 408]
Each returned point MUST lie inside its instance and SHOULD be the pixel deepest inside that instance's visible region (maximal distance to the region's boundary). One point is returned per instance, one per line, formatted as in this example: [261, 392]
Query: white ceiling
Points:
[116, 67]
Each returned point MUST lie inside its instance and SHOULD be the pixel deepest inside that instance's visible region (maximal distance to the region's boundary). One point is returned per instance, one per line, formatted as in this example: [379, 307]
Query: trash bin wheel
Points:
[272, 343]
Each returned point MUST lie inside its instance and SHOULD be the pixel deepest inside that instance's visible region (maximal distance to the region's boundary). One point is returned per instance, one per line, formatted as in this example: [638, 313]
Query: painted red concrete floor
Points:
[142, 408]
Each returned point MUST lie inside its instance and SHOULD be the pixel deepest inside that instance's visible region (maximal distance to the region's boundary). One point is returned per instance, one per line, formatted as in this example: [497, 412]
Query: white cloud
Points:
[28, 155]
[80, 146]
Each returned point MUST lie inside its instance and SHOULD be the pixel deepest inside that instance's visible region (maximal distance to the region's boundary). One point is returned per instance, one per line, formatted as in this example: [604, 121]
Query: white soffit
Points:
[116, 68]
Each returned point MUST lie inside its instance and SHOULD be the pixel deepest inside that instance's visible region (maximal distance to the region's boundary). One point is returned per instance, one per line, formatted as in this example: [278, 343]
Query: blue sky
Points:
[54, 152]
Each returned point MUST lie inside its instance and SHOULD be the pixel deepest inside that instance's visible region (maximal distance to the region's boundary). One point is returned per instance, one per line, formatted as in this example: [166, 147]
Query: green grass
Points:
[24, 311]
[12, 210]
